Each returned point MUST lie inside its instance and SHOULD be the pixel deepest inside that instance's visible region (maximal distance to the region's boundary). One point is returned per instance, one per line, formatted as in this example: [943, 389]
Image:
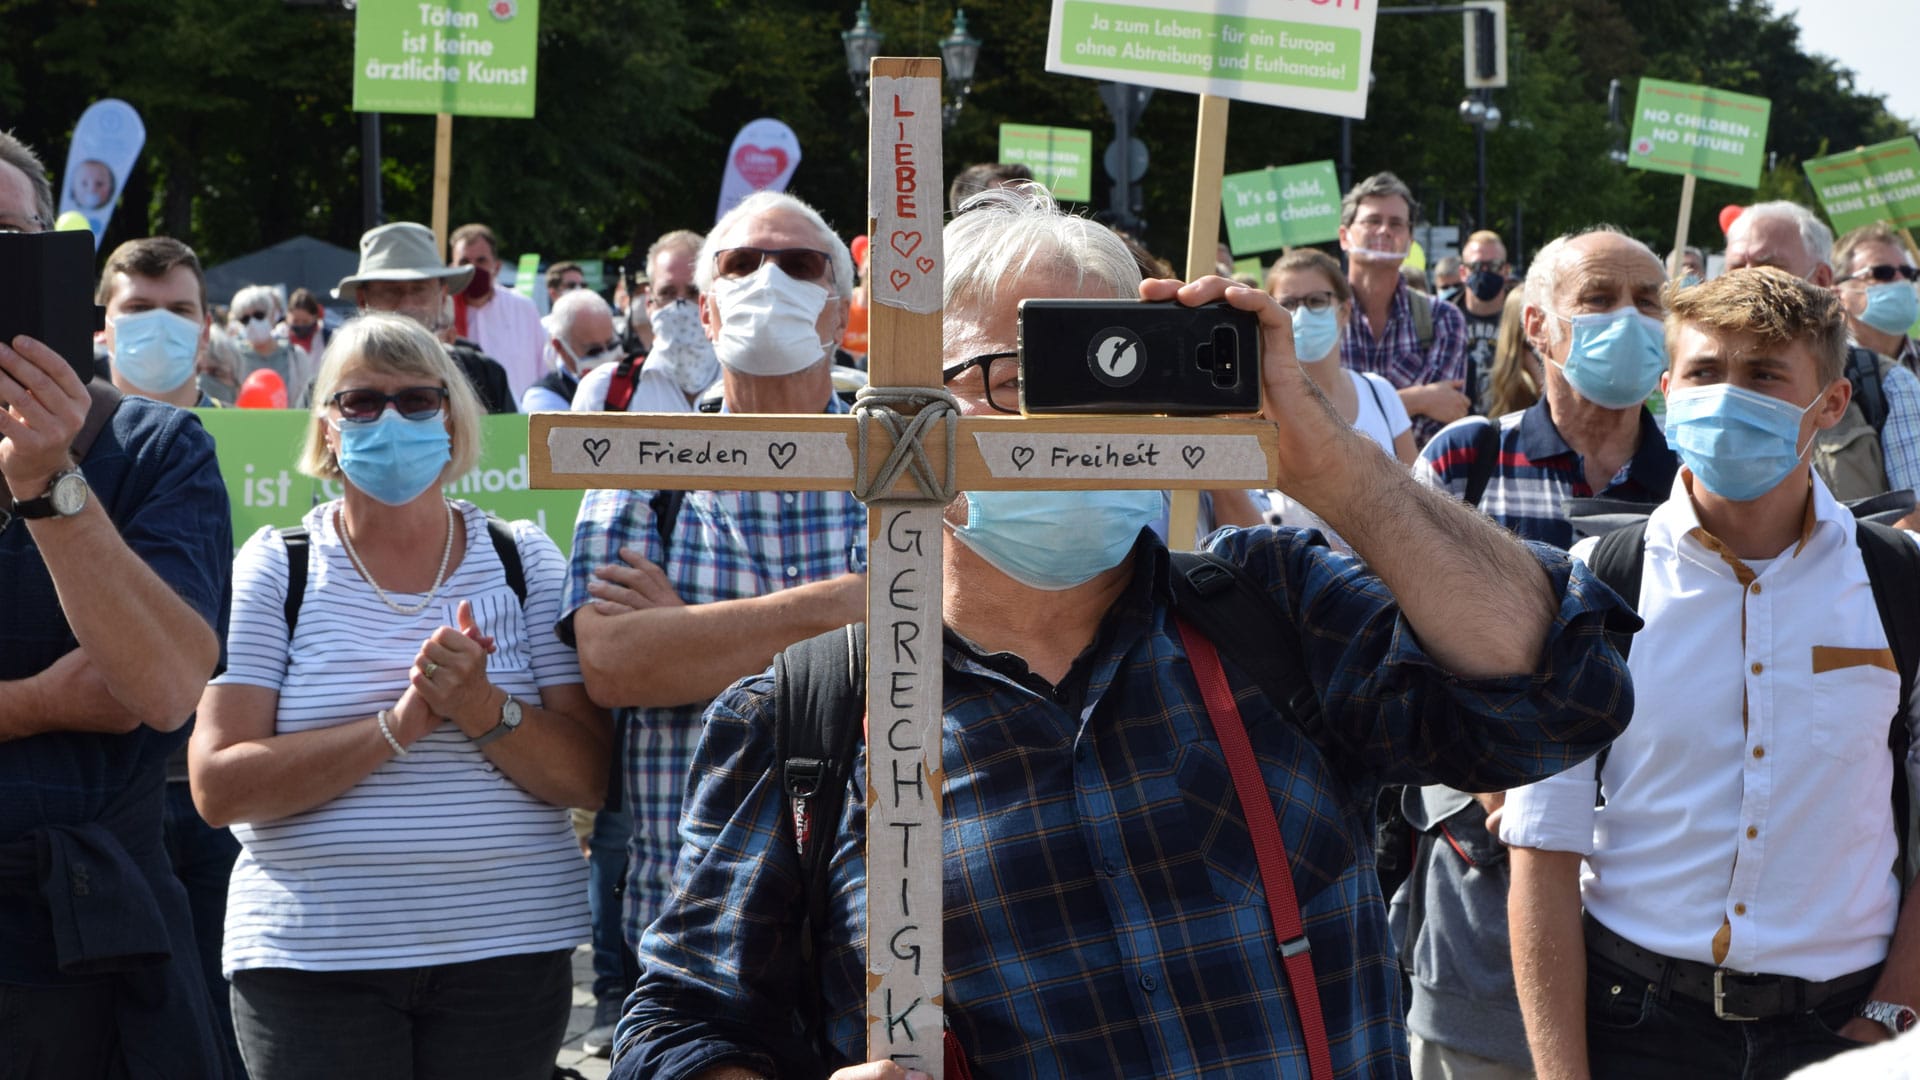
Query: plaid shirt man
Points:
[1103, 908]
[1395, 351]
[726, 545]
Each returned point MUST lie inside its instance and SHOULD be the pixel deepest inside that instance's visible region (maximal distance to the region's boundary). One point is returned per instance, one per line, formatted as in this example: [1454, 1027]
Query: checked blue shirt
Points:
[726, 545]
[1103, 908]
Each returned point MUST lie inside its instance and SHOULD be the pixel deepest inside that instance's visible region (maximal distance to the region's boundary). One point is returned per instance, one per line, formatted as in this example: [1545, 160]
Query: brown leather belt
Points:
[1732, 995]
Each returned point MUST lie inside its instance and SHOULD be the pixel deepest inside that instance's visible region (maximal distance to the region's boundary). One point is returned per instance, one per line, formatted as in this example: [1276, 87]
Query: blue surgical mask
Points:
[1891, 308]
[1054, 540]
[1739, 443]
[1616, 358]
[1315, 333]
[155, 349]
[394, 459]
[1689, 279]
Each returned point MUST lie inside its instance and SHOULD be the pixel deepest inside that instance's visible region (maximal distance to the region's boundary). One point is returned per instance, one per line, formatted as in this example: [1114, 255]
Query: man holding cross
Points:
[1103, 914]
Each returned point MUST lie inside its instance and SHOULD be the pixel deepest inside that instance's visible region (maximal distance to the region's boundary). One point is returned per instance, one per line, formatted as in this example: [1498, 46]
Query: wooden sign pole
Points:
[1203, 255]
[442, 179]
[1680, 228]
[690, 451]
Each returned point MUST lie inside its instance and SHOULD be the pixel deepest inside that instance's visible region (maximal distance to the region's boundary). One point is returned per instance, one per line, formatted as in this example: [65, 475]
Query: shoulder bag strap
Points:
[297, 545]
[1276, 877]
[1486, 458]
[1893, 570]
[508, 549]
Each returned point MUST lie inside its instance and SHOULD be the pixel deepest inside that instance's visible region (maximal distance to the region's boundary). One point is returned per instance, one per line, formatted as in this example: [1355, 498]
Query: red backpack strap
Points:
[620, 387]
[1256, 804]
[956, 1058]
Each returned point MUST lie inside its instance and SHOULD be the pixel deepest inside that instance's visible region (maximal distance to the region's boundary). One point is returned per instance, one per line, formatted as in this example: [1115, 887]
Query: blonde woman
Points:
[1513, 383]
[397, 762]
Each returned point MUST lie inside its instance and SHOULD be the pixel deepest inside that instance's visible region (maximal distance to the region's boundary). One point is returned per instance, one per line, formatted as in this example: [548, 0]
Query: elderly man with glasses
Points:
[1874, 274]
[671, 598]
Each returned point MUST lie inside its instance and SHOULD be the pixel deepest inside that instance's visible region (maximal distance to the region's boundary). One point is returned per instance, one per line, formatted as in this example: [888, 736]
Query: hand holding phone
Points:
[1131, 356]
[47, 279]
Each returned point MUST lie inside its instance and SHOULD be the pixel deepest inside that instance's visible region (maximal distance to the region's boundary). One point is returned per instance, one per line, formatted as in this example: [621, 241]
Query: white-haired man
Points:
[1876, 446]
[1104, 915]
[581, 323]
[669, 358]
[672, 598]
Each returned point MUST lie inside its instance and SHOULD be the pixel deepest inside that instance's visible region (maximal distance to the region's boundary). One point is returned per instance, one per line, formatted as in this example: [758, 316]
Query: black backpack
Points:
[1893, 570]
[819, 698]
[298, 542]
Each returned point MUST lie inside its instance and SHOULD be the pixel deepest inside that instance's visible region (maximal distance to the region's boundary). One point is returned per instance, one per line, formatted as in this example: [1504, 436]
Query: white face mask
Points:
[259, 331]
[769, 322]
[584, 364]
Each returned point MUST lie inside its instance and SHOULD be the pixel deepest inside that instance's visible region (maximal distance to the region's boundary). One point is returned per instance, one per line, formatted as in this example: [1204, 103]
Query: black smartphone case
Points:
[1130, 356]
[46, 292]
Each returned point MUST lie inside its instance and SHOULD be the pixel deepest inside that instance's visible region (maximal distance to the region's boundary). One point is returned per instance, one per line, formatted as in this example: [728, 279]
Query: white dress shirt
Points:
[508, 329]
[653, 391]
[1748, 819]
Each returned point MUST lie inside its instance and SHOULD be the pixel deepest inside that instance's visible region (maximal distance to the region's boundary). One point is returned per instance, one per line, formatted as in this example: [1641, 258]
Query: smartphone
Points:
[47, 279]
[1135, 356]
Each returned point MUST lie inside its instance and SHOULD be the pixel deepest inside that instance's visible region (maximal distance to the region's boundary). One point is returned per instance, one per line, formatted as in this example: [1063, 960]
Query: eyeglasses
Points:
[569, 286]
[1884, 273]
[999, 371]
[671, 295]
[364, 406]
[1315, 302]
[800, 264]
[612, 344]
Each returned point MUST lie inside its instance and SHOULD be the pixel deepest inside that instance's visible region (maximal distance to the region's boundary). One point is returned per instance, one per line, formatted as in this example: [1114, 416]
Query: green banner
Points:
[1061, 158]
[1876, 183]
[464, 57]
[1249, 265]
[1711, 134]
[1317, 59]
[525, 273]
[258, 447]
[1274, 208]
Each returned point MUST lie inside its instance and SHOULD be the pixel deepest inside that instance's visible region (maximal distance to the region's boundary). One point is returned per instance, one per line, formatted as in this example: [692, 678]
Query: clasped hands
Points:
[448, 681]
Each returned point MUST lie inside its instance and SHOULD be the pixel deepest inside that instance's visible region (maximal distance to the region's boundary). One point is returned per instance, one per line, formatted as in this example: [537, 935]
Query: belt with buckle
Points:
[1732, 995]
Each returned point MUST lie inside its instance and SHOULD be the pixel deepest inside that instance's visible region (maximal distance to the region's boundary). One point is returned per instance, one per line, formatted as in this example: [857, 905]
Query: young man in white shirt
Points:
[1743, 915]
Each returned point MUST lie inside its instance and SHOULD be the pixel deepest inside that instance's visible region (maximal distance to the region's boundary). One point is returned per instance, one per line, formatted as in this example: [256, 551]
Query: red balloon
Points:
[263, 389]
[860, 250]
[1729, 214]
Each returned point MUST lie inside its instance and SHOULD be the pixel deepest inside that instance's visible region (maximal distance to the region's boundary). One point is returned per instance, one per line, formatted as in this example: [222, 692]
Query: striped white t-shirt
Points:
[434, 858]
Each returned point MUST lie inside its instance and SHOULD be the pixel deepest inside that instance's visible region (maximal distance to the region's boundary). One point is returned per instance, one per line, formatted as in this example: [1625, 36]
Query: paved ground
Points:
[593, 1068]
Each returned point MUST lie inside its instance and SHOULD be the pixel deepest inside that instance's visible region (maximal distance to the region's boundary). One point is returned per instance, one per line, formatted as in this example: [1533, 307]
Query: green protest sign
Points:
[257, 449]
[1061, 158]
[1249, 266]
[525, 273]
[1875, 183]
[1273, 208]
[1697, 131]
[461, 57]
[1316, 59]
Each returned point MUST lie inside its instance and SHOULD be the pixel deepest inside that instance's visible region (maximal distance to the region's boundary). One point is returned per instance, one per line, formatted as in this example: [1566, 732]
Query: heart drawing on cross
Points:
[596, 448]
[781, 454]
[1021, 456]
[760, 166]
[1194, 455]
[906, 243]
[899, 279]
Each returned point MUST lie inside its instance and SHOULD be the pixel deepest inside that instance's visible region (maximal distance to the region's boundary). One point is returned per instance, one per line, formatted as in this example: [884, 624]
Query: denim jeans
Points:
[1634, 1032]
[202, 858]
[615, 969]
[502, 1017]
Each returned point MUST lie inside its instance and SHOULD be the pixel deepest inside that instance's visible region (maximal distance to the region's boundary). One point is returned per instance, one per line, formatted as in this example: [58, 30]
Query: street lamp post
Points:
[862, 44]
[959, 53]
[1479, 112]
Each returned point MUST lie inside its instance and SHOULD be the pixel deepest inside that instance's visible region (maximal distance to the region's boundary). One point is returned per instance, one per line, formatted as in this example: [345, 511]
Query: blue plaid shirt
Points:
[1538, 472]
[1394, 351]
[1103, 908]
[1900, 435]
[726, 545]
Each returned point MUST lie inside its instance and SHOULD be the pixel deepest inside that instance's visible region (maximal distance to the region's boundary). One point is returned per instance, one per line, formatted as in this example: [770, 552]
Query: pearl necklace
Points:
[439, 577]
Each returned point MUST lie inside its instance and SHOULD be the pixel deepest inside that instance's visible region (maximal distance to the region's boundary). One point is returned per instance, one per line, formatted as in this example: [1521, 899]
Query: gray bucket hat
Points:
[401, 251]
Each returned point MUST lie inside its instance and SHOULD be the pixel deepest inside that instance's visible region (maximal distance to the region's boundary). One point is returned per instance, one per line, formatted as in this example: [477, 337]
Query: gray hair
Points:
[1813, 232]
[1007, 230]
[766, 202]
[1379, 185]
[1550, 262]
[21, 156]
[394, 344]
[259, 296]
[678, 240]
[571, 306]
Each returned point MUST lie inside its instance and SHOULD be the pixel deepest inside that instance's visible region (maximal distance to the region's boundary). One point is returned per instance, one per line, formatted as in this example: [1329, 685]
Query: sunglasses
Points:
[412, 403]
[1884, 273]
[250, 316]
[800, 264]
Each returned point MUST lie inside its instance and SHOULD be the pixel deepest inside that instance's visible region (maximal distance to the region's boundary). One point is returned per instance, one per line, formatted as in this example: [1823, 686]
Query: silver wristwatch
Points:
[66, 495]
[1897, 1019]
[509, 723]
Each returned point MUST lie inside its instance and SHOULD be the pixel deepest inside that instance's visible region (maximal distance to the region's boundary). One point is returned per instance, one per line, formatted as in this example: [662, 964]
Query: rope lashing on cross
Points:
[885, 404]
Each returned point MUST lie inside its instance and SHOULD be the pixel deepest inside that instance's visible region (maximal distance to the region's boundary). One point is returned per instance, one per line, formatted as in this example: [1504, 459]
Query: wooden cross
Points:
[905, 959]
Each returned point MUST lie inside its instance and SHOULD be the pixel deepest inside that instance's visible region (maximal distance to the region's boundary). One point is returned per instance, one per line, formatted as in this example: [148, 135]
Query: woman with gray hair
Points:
[395, 741]
[256, 310]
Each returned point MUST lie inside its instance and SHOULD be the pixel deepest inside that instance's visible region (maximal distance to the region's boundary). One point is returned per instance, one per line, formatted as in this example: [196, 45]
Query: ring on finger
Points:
[430, 669]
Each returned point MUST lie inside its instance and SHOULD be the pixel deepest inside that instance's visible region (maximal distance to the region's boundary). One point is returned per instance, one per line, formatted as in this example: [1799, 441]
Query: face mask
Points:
[1616, 357]
[1891, 308]
[1315, 333]
[394, 459]
[259, 332]
[1486, 285]
[769, 322]
[1054, 540]
[1739, 443]
[681, 349]
[1689, 280]
[155, 349]
[481, 286]
[302, 333]
[1451, 294]
[1376, 255]
[584, 364]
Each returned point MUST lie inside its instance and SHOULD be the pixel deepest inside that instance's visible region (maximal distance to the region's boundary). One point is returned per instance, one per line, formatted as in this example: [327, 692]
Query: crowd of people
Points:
[1594, 591]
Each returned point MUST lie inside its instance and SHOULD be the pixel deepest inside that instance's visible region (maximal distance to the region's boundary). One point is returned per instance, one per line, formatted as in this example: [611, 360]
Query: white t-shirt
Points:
[653, 391]
[508, 329]
[433, 858]
[1381, 417]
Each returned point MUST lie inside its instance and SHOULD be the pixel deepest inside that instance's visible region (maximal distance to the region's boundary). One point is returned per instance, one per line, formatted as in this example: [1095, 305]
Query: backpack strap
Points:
[1240, 618]
[819, 690]
[1486, 459]
[1420, 306]
[620, 388]
[666, 513]
[1269, 846]
[1893, 570]
[1619, 560]
[504, 545]
[103, 401]
[298, 543]
[1863, 371]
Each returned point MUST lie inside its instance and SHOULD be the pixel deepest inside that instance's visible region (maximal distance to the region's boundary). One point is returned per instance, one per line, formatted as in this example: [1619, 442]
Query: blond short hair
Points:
[394, 345]
[1768, 303]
